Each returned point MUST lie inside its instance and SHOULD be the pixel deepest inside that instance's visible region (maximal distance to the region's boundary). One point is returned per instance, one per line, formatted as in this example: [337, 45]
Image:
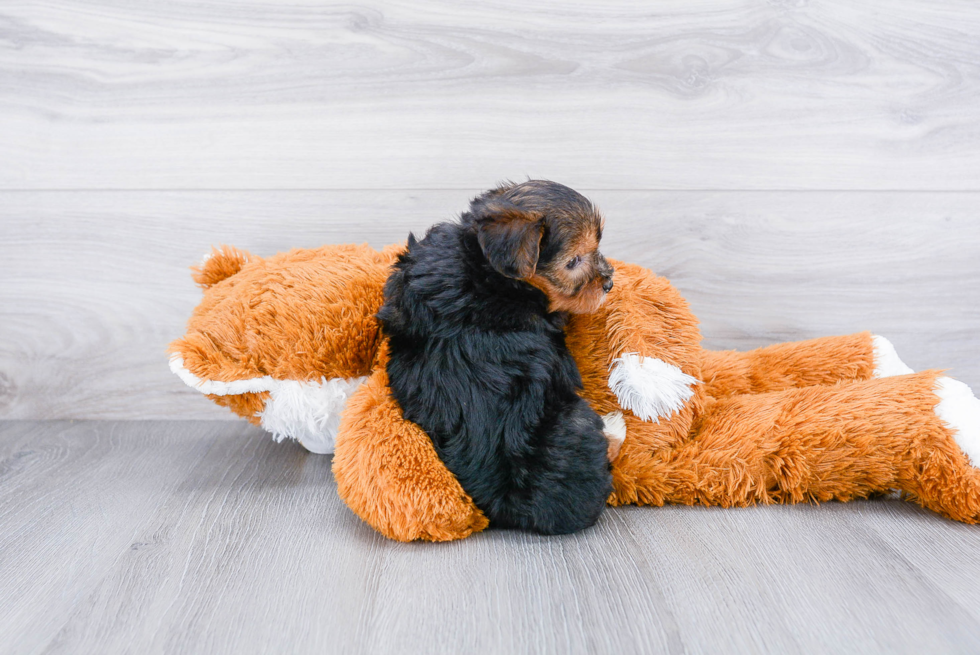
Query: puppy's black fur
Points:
[479, 363]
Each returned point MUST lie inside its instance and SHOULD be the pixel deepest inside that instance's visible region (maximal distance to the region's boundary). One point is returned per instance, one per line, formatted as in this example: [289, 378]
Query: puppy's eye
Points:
[573, 262]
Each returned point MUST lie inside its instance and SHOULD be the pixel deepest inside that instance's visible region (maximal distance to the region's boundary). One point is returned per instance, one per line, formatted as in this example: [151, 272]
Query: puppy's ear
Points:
[510, 237]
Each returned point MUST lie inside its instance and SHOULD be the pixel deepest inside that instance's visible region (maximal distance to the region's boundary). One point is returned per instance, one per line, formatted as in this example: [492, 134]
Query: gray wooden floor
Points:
[193, 537]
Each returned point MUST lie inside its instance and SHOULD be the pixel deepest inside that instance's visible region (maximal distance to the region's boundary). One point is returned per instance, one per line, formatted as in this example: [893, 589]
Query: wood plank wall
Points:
[796, 168]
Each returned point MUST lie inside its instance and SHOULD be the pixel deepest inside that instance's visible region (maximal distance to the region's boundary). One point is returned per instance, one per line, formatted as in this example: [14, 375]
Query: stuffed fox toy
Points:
[291, 343]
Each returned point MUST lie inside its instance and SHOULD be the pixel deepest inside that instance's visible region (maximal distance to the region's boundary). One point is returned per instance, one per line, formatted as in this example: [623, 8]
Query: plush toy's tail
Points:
[219, 264]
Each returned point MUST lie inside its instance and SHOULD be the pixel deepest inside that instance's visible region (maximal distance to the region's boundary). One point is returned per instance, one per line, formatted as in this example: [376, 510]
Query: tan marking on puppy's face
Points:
[578, 277]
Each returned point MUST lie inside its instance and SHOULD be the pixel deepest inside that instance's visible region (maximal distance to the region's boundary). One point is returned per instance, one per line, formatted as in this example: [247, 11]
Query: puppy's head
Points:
[547, 235]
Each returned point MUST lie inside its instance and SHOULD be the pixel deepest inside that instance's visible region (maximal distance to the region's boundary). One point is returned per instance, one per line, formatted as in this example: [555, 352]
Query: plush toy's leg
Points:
[827, 360]
[913, 433]
[389, 474]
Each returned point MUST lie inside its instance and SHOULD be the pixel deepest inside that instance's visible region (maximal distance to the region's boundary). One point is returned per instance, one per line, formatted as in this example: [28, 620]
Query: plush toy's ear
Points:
[219, 264]
[509, 236]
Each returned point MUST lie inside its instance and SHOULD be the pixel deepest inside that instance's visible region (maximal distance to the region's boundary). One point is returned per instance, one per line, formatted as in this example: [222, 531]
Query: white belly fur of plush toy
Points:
[308, 412]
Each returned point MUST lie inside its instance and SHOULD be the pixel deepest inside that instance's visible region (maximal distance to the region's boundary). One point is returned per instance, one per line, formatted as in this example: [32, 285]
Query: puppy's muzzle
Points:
[606, 271]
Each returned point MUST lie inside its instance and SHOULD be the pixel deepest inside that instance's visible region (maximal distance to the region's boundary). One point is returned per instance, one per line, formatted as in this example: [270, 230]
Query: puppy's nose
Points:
[607, 284]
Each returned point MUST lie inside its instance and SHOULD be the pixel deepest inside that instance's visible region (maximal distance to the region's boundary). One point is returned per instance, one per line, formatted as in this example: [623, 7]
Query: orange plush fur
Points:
[789, 423]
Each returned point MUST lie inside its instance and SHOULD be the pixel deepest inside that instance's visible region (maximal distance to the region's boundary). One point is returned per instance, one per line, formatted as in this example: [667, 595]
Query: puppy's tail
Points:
[219, 264]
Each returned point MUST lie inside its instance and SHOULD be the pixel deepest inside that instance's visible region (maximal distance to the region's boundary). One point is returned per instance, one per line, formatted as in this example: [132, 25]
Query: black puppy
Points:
[474, 313]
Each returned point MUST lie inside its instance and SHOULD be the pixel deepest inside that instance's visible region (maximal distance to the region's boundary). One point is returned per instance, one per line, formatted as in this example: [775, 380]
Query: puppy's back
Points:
[479, 363]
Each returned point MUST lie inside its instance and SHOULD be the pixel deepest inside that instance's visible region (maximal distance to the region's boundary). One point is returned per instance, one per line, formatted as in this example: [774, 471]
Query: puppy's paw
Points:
[614, 427]
[650, 388]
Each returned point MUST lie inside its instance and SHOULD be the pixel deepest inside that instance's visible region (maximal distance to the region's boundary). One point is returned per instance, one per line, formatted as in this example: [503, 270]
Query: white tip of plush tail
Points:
[650, 388]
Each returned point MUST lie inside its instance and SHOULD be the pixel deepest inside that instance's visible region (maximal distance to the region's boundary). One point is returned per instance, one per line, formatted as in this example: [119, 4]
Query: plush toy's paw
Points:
[959, 409]
[614, 427]
[650, 388]
[887, 361]
[389, 474]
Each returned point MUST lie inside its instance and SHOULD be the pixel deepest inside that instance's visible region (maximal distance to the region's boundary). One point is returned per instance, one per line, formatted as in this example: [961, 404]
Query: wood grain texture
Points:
[95, 284]
[713, 94]
[206, 537]
[762, 155]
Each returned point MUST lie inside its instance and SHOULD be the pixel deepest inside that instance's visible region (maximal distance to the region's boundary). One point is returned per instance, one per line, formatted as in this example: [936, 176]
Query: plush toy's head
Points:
[284, 341]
